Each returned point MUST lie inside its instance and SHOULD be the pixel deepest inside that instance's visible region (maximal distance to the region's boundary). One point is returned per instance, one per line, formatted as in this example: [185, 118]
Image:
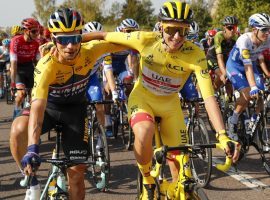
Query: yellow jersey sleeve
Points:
[100, 47]
[135, 40]
[202, 74]
[43, 77]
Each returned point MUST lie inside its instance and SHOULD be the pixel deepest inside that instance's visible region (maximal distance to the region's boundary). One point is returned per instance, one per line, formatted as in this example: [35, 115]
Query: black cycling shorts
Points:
[212, 64]
[74, 122]
[25, 74]
[2, 67]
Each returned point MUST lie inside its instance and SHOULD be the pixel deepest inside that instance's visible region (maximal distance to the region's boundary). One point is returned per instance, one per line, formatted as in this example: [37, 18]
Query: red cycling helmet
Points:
[212, 33]
[30, 23]
[46, 33]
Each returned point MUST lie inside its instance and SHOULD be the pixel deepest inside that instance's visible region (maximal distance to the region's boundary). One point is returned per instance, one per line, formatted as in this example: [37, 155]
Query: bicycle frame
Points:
[185, 184]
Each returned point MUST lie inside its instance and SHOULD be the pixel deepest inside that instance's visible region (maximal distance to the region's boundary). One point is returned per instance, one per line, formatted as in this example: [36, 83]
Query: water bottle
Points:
[253, 120]
[247, 126]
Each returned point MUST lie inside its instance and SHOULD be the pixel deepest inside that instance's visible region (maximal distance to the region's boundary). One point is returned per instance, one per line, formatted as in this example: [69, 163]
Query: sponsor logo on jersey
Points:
[87, 61]
[134, 109]
[79, 68]
[108, 60]
[201, 60]
[245, 54]
[184, 136]
[128, 36]
[205, 73]
[175, 68]
[149, 59]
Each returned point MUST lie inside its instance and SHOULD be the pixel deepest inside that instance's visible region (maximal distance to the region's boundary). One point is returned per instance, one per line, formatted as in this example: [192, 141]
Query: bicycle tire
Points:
[201, 166]
[9, 98]
[265, 155]
[99, 172]
[198, 194]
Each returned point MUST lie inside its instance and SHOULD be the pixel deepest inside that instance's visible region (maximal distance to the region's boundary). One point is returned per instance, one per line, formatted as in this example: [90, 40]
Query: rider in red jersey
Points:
[23, 57]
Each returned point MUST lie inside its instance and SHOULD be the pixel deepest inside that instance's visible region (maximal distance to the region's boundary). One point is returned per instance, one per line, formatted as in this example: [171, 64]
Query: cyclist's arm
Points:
[86, 37]
[36, 120]
[13, 70]
[221, 64]
[107, 67]
[245, 55]
[133, 63]
[264, 67]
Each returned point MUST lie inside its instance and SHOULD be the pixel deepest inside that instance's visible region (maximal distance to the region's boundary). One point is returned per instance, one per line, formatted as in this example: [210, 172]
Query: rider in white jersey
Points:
[241, 66]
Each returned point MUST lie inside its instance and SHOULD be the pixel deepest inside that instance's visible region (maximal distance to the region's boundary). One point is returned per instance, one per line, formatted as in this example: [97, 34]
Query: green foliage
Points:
[43, 10]
[201, 15]
[242, 9]
[90, 9]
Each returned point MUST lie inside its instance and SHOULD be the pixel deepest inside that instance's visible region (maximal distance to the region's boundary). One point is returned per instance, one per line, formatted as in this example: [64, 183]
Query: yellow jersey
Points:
[66, 84]
[163, 73]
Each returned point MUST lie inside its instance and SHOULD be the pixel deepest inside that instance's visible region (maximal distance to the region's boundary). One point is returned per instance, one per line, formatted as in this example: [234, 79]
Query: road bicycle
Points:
[201, 164]
[99, 150]
[119, 114]
[6, 87]
[56, 184]
[185, 187]
[255, 133]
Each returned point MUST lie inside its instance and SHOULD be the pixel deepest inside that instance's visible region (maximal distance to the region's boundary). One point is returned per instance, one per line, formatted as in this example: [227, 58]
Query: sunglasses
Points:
[34, 31]
[172, 30]
[265, 30]
[230, 28]
[66, 39]
[128, 30]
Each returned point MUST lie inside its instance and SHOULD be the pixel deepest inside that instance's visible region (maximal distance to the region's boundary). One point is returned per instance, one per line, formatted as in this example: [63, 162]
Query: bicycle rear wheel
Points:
[201, 164]
[99, 152]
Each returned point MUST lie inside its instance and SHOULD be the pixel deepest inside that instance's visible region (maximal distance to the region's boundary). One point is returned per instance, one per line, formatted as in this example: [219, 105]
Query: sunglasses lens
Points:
[173, 30]
[66, 39]
[265, 30]
[230, 28]
[34, 31]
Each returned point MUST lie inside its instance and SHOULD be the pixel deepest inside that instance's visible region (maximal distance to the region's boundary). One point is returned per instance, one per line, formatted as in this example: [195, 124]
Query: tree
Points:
[242, 9]
[115, 13]
[201, 15]
[90, 9]
[43, 10]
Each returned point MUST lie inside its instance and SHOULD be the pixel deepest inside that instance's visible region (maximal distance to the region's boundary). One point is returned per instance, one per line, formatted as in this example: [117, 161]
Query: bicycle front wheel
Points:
[198, 194]
[201, 164]
[100, 152]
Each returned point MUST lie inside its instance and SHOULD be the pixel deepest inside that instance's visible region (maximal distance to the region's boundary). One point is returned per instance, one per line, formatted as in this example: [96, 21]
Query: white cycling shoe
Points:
[33, 193]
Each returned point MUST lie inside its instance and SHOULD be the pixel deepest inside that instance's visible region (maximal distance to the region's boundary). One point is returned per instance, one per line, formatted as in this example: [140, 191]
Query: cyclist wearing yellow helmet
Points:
[167, 60]
[16, 30]
[58, 96]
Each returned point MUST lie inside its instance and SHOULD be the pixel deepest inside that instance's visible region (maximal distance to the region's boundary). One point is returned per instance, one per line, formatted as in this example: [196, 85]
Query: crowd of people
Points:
[71, 61]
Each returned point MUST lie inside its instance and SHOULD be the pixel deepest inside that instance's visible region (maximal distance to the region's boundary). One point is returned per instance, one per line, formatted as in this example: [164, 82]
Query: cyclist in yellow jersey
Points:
[58, 96]
[166, 62]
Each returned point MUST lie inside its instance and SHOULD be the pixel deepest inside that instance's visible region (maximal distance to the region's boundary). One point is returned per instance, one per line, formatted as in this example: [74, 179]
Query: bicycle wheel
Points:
[262, 141]
[198, 194]
[126, 130]
[100, 152]
[201, 165]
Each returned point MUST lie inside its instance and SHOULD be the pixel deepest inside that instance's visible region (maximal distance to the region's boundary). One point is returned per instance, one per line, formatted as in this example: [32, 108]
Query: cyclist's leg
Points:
[2, 68]
[142, 122]
[75, 146]
[94, 93]
[19, 134]
[173, 131]
[260, 84]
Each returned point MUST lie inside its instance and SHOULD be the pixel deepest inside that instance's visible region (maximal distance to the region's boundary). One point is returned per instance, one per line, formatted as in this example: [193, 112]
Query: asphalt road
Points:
[249, 183]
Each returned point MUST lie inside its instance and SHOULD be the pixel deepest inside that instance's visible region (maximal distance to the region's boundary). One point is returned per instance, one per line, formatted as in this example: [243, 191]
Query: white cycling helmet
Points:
[259, 20]
[156, 27]
[129, 23]
[92, 27]
[118, 29]
[194, 28]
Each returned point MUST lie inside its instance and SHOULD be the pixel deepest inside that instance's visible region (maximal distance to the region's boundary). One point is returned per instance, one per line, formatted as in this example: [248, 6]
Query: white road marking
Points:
[243, 178]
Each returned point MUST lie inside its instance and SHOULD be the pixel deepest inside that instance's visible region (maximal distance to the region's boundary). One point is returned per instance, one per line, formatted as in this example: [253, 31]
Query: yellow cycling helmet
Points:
[65, 20]
[176, 11]
[16, 30]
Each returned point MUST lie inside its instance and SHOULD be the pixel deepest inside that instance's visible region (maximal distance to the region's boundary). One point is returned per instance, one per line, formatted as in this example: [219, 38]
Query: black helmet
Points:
[230, 20]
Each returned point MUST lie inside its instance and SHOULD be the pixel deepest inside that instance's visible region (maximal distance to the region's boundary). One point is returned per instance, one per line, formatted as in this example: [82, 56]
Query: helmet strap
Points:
[258, 37]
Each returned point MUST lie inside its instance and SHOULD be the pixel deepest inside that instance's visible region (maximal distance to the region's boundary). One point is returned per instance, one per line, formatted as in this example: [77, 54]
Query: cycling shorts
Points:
[189, 90]
[212, 64]
[94, 90]
[2, 67]
[238, 77]
[74, 123]
[173, 128]
[25, 75]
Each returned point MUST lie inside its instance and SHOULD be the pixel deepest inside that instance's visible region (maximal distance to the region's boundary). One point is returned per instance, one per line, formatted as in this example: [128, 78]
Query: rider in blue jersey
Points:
[241, 66]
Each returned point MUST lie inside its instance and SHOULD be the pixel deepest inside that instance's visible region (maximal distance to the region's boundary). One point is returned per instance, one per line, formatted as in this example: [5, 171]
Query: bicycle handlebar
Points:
[162, 151]
[25, 182]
